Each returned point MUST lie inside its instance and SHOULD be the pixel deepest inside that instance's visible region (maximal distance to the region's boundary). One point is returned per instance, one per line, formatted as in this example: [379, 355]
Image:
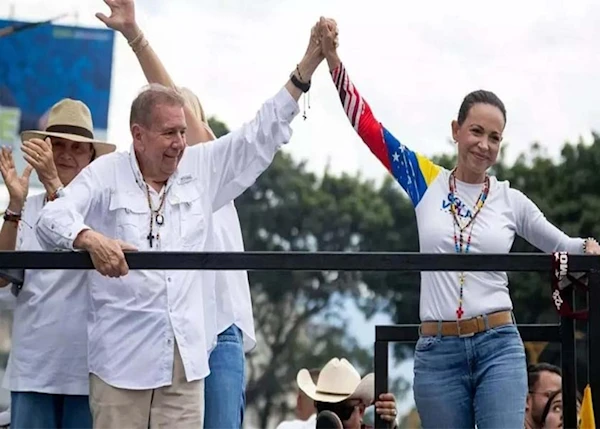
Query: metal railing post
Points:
[381, 374]
[594, 346]
[568, 358]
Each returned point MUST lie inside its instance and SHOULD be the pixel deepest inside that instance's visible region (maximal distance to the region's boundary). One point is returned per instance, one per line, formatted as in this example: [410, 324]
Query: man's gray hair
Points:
[151, 96]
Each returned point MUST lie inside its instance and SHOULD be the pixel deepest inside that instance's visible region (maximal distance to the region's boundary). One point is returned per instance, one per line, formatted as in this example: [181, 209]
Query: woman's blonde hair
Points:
[192, 100]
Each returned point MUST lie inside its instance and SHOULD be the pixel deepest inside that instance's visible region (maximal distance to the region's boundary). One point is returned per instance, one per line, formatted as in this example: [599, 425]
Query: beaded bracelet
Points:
[136, 39]
[138, 43]
[143, 44]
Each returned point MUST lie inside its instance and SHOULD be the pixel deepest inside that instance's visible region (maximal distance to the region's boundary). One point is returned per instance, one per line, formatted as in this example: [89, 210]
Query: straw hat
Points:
[71, 120]
[338, 381]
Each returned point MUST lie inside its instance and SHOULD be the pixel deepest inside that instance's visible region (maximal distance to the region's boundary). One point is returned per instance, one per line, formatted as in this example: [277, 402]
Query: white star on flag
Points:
[396, 157]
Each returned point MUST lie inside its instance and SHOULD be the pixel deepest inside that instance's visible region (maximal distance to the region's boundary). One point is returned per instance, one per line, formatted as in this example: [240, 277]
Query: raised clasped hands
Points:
[324, 37]
[327, 33]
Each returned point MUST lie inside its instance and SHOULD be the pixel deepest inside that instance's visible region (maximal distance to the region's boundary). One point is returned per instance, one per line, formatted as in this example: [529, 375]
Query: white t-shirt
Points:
[506, 213]
[299, 424]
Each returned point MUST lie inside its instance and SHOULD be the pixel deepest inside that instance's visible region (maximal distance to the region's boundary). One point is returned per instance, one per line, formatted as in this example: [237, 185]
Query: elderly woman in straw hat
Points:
[341, 396]
[48, 372]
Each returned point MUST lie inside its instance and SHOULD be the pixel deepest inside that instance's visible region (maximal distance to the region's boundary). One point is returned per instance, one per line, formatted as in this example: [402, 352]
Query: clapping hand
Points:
[17, 186]
[38, 153]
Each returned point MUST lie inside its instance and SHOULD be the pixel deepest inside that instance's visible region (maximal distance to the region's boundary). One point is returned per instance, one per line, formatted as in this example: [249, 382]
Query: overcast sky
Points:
[412, 61]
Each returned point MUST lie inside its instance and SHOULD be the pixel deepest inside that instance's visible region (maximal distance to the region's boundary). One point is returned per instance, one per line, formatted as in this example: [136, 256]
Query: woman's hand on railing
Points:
[591, 247]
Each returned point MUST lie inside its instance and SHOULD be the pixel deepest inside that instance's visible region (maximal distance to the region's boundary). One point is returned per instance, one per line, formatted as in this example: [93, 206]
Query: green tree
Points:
[300, 315]
[218, 127]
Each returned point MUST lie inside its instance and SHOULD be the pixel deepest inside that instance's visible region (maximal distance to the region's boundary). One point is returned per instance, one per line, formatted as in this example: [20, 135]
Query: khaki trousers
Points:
[179, 405]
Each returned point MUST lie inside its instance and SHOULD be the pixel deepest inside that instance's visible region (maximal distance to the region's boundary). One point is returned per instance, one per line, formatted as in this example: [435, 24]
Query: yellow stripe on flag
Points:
[586, 416]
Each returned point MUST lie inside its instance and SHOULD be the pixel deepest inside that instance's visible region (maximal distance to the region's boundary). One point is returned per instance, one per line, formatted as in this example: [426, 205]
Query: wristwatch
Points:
[60, 192]
[304, 87]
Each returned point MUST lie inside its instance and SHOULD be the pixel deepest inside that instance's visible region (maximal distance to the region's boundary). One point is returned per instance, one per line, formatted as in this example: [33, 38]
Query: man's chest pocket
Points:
[192, 212]
[131, 217]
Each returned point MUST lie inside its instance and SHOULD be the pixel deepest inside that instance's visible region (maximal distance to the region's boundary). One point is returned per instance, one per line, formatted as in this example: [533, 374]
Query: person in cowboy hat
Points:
[341, 390]
[48, 372]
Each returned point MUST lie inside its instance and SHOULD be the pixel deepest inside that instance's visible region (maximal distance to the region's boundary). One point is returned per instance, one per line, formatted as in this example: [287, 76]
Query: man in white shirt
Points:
[147, 343]
[306, 412]
[233, 330]
[47, 372]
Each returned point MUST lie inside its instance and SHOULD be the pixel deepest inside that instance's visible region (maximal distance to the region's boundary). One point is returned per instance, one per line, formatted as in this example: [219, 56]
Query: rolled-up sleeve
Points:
[238, 158]
[63, 219]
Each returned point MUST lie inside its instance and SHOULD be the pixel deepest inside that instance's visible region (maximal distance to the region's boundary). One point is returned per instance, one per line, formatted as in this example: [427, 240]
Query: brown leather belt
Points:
[467, 327]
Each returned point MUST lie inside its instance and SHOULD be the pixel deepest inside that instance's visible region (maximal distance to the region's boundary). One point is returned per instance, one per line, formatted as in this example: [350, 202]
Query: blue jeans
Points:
[33, 410]
[460, 382]
[224, 388]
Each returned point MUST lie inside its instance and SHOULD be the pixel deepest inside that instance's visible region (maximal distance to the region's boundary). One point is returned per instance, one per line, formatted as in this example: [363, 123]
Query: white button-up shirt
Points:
[233, 301]
[49, 336]
[134, 320]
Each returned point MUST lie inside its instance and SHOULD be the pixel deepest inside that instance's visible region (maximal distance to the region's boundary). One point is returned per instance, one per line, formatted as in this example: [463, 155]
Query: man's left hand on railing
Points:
[106, 253]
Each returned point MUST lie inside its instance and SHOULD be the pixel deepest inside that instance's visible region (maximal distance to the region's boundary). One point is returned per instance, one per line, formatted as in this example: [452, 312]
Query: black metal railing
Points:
[12, 262]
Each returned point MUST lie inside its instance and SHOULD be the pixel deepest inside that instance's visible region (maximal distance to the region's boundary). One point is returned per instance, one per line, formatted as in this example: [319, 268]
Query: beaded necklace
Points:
[155, 215]
[459, 241]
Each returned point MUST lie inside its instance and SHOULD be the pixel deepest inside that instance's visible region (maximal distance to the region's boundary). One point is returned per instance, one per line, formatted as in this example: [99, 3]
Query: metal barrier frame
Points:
[563, 333]
[12, 262]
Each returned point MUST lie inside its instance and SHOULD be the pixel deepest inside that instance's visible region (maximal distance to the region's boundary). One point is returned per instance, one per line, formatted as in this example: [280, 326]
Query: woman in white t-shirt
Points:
[470, 365]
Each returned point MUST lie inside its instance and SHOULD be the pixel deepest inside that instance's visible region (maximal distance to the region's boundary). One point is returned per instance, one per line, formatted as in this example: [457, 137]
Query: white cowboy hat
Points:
[71, 120]
[338, 381]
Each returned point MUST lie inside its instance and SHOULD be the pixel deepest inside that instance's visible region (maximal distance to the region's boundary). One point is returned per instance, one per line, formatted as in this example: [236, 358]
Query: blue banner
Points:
[41, 65]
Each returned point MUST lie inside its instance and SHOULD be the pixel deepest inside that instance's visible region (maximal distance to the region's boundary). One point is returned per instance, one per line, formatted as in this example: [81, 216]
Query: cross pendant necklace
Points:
[155, 216]
[459, 242]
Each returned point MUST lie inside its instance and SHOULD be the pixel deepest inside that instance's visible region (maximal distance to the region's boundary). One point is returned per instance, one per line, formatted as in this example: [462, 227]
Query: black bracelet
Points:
[12, 217]
[304, 87]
